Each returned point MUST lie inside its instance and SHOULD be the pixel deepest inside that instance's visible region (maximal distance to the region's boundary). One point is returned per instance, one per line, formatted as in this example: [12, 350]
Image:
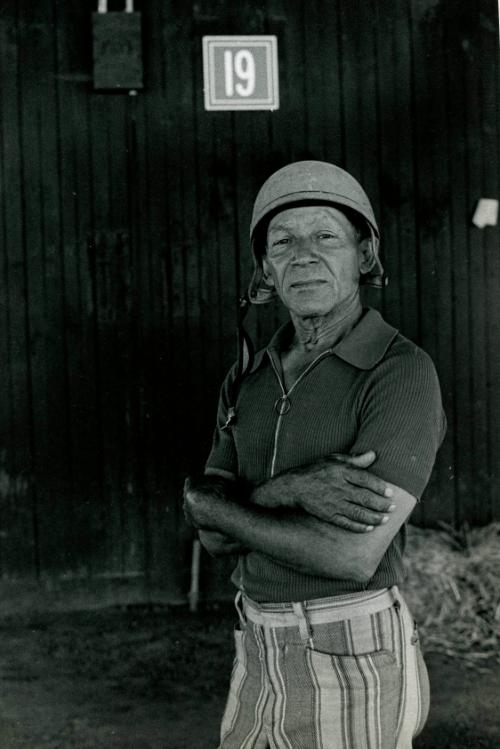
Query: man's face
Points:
[314, 257]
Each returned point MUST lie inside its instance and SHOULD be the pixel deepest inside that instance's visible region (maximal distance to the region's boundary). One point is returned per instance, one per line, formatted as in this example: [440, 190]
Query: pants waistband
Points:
[319, 610]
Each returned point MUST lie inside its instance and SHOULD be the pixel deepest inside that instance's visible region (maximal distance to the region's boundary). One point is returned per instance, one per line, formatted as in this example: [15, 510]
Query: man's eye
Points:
[283, 240]
[327, 235]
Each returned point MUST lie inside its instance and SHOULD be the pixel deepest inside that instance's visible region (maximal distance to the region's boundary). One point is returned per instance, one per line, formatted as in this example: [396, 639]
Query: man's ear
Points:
[366, 256]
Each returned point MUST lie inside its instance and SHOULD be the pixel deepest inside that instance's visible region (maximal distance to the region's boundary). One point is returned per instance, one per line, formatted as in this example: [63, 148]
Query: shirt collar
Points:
[367, 343]
[363, 347]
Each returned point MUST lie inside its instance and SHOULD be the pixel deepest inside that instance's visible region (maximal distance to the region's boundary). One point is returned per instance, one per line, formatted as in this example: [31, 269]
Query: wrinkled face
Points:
[314, 257]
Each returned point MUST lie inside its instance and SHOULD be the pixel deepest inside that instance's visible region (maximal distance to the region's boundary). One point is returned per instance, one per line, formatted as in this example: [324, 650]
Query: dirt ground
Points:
[135, 677]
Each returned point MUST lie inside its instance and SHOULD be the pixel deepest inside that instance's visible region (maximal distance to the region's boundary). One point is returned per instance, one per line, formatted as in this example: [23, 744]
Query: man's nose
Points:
[303, 252]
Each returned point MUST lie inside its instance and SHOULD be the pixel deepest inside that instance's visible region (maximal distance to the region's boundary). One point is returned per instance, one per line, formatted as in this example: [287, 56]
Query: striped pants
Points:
[332, 673]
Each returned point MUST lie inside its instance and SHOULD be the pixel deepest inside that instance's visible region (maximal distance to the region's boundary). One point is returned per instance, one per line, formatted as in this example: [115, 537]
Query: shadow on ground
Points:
[155, 678]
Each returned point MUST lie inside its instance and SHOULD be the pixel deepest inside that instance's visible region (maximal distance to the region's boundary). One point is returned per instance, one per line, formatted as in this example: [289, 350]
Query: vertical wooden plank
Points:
[84, 533]
[45, 285]
[18, 512]
[406, 105]
[172, 380]
[184, 308]
[126, 199]
[362, 18]
[365, 64]
[331, 93]
[162, 411]
[112, 265]
[432, 233]
[201, 258]
[350, 51]
[108, 530]
[139, 492]
[111, 279]
[111, 271]
[473, 42]
[489, 92]
[313, 63]
[486, 154]
[106, 272]
[184, 392]
[437, 328]
[462, 353]
[395, 159]
[290, 141]
[360, 102]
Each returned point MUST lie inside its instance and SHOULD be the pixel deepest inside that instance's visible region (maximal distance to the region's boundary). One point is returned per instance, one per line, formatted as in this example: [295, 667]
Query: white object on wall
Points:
[486, 213]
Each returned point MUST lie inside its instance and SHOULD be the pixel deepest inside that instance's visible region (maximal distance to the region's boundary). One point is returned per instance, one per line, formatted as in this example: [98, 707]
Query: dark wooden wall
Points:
[123, 230]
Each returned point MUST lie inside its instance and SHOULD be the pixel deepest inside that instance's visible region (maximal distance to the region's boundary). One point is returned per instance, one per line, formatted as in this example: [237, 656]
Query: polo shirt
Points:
[374, 390]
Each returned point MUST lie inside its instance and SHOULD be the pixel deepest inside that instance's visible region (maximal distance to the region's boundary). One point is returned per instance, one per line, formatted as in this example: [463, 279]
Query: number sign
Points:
[240, 72]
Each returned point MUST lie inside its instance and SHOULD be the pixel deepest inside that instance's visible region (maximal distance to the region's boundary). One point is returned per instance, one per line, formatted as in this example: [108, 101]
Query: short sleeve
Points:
[223, 456]
[401, 418]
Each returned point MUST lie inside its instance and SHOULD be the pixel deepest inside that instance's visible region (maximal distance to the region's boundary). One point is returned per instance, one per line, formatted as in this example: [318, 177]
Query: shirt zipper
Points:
[284, 397]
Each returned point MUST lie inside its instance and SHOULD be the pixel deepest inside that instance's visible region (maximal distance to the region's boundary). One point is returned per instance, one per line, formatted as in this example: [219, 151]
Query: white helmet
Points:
[303, 182]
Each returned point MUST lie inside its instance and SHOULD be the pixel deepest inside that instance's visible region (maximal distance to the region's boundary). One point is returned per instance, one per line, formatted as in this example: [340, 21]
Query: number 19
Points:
[241, 65]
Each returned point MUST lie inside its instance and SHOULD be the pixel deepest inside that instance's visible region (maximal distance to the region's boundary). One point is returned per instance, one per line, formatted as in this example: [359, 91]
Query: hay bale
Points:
[453, 590]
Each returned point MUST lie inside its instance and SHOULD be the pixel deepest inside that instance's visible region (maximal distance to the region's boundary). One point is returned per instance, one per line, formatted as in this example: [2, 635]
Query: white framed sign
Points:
[240, 72]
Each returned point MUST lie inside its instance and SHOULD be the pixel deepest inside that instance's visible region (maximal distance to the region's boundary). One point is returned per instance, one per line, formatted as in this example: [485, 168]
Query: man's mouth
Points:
[306, 283]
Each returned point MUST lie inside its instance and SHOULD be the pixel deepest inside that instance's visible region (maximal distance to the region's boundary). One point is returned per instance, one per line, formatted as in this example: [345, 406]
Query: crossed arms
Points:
[332, 518]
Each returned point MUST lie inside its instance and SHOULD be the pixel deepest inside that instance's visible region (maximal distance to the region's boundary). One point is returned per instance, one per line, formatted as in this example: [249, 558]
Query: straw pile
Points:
[453, 590]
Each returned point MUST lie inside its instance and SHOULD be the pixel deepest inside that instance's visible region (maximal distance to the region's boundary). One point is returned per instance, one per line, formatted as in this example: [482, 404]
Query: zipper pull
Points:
[282, 405]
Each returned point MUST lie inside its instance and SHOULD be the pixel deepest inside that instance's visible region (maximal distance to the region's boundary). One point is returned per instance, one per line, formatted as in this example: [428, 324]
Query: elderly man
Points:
[327, 653]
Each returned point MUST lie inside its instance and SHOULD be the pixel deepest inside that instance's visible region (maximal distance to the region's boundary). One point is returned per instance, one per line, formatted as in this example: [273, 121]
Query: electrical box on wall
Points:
[117, 48]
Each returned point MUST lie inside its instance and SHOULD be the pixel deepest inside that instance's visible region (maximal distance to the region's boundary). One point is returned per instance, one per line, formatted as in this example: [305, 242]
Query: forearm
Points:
[216, 486]
[217, 544]
[288, 488]
[302, 541]
[336, 489]
[291, 538]
[310, 541]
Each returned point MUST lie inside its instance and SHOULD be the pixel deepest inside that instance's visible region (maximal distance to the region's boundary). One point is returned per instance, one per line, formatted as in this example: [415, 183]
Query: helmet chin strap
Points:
[246, 353]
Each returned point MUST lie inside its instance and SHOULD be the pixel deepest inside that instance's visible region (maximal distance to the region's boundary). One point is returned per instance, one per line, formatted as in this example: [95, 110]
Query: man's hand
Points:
[199, 494]
[338, 490]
